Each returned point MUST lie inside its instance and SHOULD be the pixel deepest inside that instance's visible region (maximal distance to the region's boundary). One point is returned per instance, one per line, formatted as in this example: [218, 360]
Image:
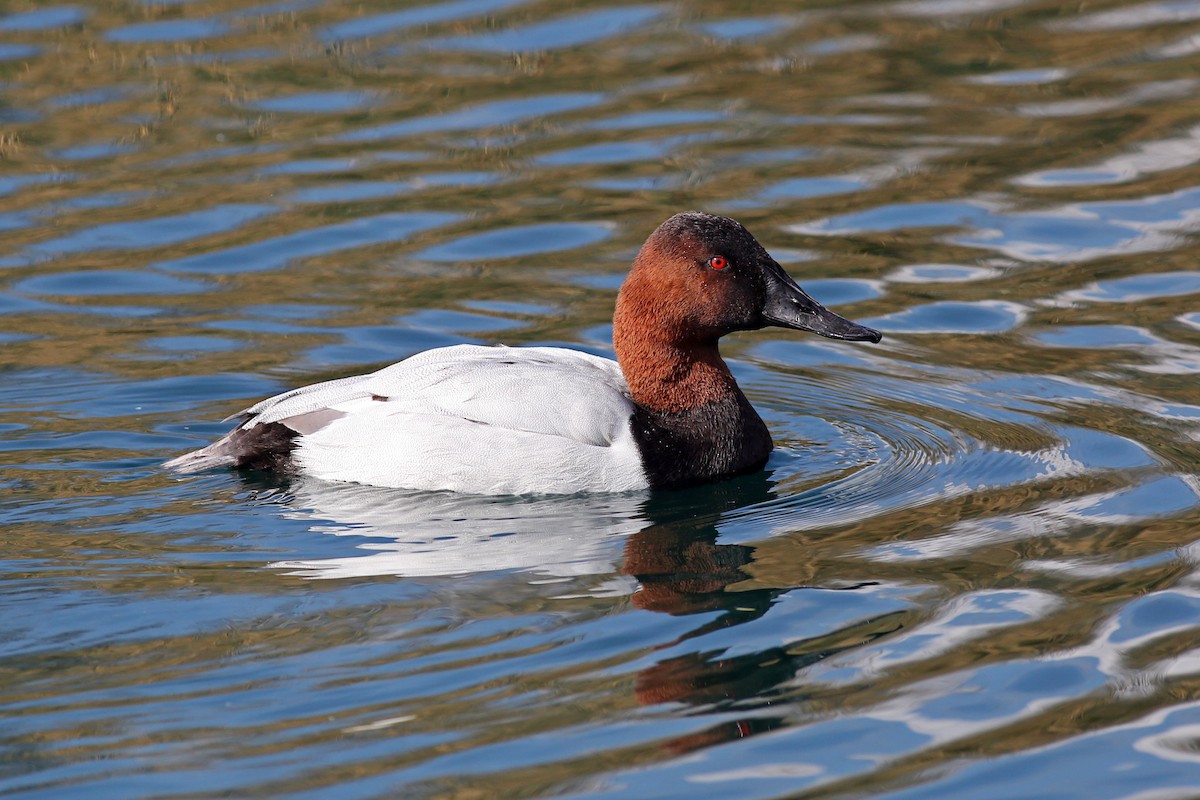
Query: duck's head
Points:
[701, 276]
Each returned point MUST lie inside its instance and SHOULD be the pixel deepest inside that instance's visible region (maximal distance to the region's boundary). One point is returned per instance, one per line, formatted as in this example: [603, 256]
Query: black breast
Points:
[720, 440]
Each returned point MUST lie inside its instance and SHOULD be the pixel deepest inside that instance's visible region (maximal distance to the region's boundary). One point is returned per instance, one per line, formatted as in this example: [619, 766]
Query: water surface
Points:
[970, 569]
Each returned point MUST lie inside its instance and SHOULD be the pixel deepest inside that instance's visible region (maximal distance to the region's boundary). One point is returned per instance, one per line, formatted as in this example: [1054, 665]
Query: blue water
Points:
[969, 569]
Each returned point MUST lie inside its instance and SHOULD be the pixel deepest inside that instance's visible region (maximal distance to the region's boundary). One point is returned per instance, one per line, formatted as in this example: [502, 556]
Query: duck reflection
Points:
[682, 570]
[671, 562]
[677, 562]
[424, 534]
[428, 534]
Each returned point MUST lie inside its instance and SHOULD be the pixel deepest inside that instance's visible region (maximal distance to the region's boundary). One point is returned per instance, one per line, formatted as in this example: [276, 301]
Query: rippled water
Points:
[971, 569]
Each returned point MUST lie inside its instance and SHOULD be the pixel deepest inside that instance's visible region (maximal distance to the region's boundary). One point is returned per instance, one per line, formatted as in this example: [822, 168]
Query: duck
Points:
[497, 420]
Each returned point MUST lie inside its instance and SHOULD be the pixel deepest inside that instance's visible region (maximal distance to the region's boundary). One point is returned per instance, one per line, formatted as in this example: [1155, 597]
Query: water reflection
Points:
[662, 550]
[423, 533]
[440, 533]
[682, 570]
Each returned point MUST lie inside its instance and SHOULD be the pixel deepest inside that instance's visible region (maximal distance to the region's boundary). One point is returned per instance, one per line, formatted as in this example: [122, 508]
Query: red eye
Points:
[718, 262]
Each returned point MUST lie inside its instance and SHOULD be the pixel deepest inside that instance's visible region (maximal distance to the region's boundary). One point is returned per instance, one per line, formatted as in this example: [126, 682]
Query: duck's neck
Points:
[670, 361]
[692, 422]
[672, 376]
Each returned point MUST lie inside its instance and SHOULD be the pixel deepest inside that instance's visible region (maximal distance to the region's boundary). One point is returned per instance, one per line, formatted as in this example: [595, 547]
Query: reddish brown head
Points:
[697, 278]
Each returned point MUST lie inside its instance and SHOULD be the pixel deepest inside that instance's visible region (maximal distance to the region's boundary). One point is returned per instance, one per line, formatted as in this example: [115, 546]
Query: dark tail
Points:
[267, 447]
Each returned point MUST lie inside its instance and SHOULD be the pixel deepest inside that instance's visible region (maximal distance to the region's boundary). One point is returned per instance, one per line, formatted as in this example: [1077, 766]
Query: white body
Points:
[479, 420]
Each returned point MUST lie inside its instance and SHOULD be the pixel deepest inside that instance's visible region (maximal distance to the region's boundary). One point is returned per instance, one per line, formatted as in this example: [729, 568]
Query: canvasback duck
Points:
[547, 420]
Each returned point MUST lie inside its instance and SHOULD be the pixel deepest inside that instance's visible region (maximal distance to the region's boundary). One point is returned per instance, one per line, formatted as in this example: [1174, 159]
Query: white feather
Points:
[481, 420]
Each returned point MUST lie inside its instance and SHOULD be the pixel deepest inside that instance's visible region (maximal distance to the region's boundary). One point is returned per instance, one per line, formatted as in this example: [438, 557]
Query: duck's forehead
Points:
[707, 226]
[695, 232]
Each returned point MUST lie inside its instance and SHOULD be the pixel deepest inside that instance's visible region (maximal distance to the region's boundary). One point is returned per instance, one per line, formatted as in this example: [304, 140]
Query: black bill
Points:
[789, 306]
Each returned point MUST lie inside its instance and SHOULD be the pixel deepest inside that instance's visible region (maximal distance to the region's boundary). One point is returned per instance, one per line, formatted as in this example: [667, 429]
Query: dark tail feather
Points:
[267, 446]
